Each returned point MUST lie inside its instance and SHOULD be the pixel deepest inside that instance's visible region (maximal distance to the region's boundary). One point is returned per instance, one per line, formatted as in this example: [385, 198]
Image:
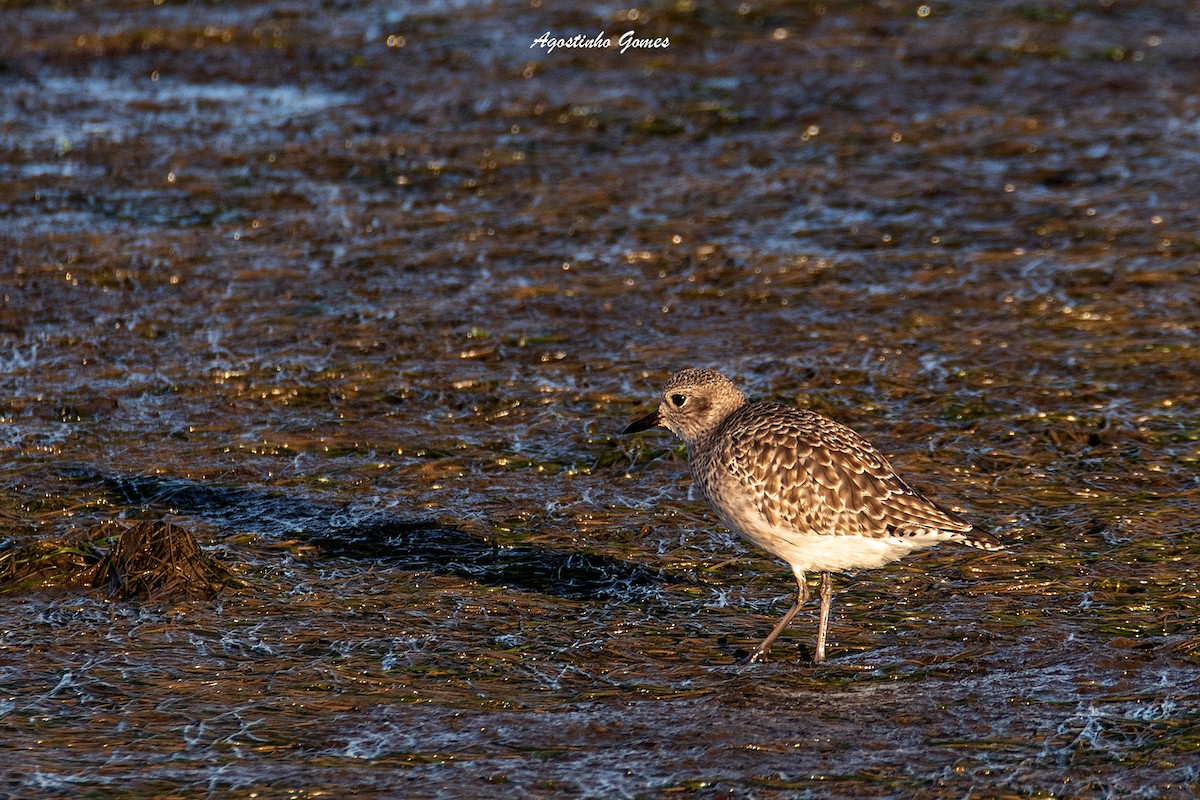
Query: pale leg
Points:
[801, 599]
[823, 626]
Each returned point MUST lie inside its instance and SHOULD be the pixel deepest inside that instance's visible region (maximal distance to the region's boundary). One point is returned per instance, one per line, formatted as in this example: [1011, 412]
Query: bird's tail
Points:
[981, 539]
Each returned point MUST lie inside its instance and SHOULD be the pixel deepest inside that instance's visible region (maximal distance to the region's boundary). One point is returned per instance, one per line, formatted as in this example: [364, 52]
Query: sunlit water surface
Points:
[361, 296]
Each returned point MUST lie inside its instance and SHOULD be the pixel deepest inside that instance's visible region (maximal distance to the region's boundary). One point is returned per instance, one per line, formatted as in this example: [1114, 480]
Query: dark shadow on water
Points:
[411, 543]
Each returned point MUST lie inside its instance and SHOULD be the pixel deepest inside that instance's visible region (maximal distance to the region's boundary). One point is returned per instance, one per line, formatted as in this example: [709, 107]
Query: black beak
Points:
[651, 420]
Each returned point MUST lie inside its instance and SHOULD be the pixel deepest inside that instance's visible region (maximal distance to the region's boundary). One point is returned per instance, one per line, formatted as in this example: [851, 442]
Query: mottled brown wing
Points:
[816, 476]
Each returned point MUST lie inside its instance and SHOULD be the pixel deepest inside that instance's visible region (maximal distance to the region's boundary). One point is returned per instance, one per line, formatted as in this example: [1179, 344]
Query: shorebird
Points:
[802, 487]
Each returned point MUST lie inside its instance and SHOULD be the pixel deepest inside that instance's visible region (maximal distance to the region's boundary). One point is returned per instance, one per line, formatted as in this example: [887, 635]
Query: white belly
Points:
[813, 552]
[827, 553]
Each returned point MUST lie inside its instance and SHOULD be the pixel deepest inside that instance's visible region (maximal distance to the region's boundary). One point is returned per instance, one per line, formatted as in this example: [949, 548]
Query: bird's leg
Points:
[801, 599]
[823, 625]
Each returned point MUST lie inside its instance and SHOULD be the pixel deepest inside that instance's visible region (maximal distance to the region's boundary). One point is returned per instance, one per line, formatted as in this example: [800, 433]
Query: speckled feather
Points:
[813, 475]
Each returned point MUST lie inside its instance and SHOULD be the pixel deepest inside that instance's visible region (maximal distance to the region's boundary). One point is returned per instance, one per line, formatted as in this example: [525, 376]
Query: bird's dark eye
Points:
[678, 400]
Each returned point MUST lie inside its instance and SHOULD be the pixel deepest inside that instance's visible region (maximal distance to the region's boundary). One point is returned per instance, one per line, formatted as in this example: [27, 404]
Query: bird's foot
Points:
[760, 654]
[757, 655]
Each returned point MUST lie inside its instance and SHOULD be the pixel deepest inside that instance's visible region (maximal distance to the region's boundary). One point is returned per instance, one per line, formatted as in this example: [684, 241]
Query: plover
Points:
[802, 487]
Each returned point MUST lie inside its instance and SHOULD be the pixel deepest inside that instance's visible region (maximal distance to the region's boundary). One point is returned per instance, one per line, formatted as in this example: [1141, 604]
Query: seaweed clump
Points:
[154, 560]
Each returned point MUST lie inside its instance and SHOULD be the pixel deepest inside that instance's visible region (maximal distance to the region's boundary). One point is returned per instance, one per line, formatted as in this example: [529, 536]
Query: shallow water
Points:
[362, 301]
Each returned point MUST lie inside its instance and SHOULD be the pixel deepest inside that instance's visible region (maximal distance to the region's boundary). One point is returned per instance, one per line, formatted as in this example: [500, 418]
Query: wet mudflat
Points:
[359, 295]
